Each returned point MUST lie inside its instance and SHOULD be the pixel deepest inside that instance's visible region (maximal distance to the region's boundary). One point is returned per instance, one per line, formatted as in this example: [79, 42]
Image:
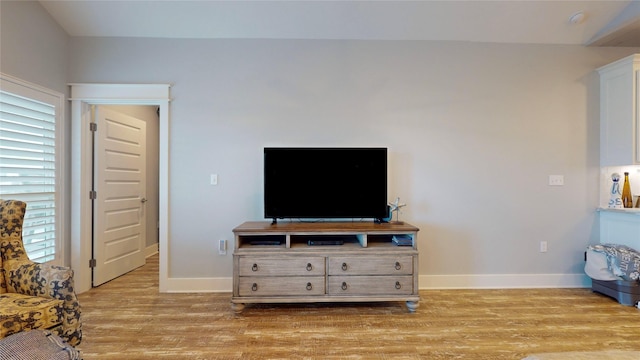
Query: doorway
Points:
[125, 181]
[83, 97]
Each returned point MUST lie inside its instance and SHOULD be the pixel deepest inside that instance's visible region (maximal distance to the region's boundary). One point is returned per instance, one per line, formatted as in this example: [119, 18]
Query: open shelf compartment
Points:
[262, 241]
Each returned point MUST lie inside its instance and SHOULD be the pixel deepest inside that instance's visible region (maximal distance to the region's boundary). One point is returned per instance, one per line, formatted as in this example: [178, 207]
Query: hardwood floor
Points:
[128, 319]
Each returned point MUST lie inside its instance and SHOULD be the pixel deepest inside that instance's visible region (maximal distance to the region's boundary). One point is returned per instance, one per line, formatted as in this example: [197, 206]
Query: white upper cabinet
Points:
[620, 112]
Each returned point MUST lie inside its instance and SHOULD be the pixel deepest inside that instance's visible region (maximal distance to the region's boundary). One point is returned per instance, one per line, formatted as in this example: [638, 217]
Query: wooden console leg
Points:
[413, 306]
[237, 308]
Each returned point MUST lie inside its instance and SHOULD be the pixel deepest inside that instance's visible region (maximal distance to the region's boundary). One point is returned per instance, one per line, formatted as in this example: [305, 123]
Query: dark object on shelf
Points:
[265, 242]
[325, 242]
[331, 239]
[402, 240]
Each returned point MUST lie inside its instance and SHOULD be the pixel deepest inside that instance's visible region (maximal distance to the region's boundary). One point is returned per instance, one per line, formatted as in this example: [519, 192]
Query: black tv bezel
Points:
[377, 215]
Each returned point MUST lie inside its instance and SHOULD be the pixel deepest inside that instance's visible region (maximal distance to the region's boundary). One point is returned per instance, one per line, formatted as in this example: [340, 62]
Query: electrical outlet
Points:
[543, 246]
[556, 180]
[222, 247]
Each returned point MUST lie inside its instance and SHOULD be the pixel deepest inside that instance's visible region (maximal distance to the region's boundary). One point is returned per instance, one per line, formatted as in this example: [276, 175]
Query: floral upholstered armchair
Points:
[32, 295]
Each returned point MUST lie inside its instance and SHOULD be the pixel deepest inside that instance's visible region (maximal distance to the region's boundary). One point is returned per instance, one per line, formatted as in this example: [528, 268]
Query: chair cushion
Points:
[22, 312]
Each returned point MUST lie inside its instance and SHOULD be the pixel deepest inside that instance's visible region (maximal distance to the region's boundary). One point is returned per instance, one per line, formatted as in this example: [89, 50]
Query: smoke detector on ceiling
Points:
[577, 18]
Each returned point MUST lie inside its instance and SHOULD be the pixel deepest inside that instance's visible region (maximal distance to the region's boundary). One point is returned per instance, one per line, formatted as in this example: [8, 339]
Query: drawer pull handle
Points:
[344, 286]
[254, 287]
[309, 267]
[398, 266]
[344, 266]
[254, 267]
[309, 286]
[398, 285]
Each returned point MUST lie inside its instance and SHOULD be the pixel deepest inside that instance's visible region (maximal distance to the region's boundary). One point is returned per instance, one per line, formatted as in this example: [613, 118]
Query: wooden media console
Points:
[302, 262]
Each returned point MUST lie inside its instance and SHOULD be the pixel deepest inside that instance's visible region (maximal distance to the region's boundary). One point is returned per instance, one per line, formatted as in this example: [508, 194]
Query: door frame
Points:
[82, 97]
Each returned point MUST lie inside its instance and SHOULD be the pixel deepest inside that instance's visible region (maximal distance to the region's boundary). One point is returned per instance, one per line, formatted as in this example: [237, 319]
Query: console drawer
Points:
[281, 286]
[371, 265]
[370, 285]
[281, 266]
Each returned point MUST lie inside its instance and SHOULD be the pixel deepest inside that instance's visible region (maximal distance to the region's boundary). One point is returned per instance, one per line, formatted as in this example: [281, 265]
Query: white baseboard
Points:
[504, 281]
[151, 250]
[427, 282]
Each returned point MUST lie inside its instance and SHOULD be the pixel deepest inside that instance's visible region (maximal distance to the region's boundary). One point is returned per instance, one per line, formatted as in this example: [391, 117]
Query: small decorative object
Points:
[627, 199]
[395, 206]
[615, 201]
[402, 240]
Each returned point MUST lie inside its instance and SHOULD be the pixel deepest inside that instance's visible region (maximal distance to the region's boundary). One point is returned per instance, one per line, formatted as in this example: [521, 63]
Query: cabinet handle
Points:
[254, 287]
[309, 287]
[398, 266]
[344, 286]
[309, 267]
[398, 285]
[254, 267]
[344, 266]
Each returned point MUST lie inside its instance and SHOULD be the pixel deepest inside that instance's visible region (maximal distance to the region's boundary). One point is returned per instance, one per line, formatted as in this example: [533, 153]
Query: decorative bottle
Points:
[627, 199]
[615, 201]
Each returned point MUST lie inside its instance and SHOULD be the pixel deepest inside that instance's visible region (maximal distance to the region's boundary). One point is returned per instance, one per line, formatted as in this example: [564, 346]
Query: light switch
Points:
[214, 179]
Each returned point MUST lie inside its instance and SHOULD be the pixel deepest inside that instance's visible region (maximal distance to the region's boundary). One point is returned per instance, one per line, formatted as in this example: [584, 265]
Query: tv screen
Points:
[325, 183]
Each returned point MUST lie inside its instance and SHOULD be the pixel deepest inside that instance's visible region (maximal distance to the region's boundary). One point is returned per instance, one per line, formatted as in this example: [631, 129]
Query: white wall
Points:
[34, 48]
[473, 131]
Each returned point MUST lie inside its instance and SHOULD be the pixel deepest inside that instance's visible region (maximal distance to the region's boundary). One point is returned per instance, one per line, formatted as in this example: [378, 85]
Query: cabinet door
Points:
[280, 266]
[371, 265]
[370, 285]
[620, 228]
[281, 286]
[619, 113]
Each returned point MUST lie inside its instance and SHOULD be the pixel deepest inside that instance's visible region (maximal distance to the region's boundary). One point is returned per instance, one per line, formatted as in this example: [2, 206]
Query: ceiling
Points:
[605, 23]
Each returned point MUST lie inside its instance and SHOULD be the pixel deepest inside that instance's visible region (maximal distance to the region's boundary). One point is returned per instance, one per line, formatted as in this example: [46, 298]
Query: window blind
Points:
[28, 168]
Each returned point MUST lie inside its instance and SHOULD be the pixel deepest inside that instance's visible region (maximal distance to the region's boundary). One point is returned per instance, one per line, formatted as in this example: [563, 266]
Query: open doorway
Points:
[84, 97]
[125, 189]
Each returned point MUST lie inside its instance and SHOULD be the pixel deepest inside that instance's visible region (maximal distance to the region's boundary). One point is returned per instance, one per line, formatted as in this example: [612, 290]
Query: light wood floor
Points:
[128, 319]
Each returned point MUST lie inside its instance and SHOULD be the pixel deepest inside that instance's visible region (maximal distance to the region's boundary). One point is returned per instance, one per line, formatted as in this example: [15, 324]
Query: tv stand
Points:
[367, 267]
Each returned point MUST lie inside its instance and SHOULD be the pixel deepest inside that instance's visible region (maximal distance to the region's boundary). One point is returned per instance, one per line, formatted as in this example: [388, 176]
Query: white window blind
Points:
[28, 163]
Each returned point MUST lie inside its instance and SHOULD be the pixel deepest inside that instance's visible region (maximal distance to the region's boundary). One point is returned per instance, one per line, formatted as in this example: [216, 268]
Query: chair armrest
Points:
[48, 281]
[43, 280]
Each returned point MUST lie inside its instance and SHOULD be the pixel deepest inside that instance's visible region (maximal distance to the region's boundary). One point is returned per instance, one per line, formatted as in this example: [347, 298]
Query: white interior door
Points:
[119, 181]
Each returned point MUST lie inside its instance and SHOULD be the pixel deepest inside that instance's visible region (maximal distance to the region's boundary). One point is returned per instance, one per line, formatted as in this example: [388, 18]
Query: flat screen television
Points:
[325, 183]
